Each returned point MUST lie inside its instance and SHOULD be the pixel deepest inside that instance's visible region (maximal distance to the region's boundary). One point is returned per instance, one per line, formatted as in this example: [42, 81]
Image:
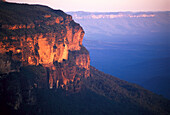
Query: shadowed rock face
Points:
[53, 41]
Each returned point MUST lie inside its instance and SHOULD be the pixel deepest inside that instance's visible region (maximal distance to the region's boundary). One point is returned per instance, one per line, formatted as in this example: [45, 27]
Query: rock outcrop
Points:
[40, 48]
[53, 41]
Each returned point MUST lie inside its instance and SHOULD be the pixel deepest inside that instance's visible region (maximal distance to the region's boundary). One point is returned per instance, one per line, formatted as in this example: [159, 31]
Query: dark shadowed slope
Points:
[100, 94]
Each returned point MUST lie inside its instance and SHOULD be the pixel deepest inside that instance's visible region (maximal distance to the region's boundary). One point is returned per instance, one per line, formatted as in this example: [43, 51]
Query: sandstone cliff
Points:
[51, 39]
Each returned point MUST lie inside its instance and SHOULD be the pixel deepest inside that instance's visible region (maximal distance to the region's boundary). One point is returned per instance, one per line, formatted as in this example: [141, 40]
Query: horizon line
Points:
[113, 11]
[91, 11]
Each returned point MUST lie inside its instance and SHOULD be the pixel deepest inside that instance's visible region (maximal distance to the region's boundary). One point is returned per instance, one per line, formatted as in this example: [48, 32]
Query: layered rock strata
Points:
[55, 42]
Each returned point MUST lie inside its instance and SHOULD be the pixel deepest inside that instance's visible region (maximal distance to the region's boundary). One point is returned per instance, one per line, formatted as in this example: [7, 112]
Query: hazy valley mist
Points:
[132, 46]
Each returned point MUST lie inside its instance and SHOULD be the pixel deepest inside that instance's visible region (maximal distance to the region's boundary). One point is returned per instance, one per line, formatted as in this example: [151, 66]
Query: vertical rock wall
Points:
[63, 46]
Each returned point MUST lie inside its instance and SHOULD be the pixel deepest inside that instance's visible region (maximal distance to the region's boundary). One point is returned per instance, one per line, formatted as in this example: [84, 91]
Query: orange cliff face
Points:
[60, 52]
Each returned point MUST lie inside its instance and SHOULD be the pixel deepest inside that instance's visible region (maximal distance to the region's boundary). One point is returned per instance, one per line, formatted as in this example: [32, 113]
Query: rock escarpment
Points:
[46, 37]
[40, 48]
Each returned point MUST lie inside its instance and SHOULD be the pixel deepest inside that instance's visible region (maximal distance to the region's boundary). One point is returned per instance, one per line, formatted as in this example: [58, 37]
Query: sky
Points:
[102, 5]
